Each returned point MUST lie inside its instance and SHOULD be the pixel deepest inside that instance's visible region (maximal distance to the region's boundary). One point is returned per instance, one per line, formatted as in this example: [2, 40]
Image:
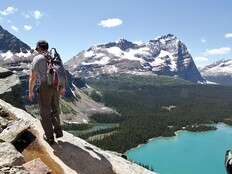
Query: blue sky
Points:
[205, 26]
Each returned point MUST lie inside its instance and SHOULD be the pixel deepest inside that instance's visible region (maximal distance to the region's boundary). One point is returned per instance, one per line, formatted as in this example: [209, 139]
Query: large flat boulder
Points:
[9, 156]
[10, 87]
[5, 72]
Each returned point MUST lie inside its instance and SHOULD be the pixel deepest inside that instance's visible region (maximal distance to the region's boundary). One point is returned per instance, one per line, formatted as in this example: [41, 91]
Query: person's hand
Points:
[31, 96]
[62, 92]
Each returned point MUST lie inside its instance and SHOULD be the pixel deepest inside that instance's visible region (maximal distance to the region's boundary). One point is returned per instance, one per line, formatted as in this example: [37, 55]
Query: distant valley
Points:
[120, 94]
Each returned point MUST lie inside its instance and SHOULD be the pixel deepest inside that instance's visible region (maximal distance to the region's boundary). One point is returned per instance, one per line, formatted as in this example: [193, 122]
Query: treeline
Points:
[107, 118]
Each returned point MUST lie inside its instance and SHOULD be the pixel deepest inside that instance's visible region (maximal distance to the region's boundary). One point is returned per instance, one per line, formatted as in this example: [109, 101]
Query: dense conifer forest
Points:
[153, 106]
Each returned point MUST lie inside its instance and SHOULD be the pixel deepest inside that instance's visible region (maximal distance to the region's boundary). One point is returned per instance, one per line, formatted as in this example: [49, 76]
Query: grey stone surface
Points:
[9, 156]
[13, 130]
[10, 87]
[3, 113]
[6, 84]
[3, 122]
[5, 72]
[13, 170]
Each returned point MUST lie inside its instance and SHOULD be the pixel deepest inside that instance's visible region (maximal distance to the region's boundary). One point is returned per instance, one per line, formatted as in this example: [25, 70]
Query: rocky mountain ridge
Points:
[165, 55]
[219, 72]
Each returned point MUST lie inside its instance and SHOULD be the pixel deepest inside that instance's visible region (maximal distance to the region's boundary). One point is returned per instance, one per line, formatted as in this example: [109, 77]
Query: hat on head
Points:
[42, 44]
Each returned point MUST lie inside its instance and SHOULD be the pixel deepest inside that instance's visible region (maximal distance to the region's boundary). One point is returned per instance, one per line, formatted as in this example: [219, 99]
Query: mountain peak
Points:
[123, 44]
[9, 42]
[165, 55]
[165, 37]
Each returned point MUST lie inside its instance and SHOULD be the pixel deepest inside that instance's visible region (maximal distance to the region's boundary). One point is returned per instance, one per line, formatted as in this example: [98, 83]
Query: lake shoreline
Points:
[207, 150]
[176, 133]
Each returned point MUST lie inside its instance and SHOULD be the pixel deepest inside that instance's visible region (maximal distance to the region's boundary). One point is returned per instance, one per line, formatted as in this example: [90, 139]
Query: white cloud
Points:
[217, 51]
[14, 28]
[203, 40]
[9, 10]
[201, 61]
[111, 22]
[27, 27]
[228, 35]
[37, 14]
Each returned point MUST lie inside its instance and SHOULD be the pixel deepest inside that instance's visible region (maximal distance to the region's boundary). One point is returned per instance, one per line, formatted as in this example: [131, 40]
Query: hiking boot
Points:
[59, 134]
[50, 141]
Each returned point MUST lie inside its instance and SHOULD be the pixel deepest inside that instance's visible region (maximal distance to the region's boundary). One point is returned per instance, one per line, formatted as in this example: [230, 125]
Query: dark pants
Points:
[49, 110]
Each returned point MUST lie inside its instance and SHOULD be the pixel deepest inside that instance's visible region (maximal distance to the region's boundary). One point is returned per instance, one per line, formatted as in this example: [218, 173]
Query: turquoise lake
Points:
[186, 153]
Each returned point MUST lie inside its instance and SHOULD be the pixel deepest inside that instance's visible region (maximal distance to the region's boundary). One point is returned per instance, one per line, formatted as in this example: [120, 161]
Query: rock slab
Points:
[10, 87]
[9, 156]
[13, 130]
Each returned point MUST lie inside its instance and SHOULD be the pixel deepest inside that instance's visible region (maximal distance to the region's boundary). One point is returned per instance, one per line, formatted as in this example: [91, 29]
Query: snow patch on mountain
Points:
[223, 67]
[9, 57]
[102, 61]
[219, 72]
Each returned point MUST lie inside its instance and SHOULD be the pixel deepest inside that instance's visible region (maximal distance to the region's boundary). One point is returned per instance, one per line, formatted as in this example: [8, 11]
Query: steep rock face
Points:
[9, 156]
[166, 55]
[9, 42]
[219, 72]
[10, 87]
[70, 155]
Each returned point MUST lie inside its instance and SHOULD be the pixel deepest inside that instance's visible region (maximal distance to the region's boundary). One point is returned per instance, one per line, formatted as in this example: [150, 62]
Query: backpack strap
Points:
[56, 58]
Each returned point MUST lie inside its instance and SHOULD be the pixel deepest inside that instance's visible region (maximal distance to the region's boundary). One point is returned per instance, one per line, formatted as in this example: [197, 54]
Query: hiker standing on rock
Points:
[44, 69]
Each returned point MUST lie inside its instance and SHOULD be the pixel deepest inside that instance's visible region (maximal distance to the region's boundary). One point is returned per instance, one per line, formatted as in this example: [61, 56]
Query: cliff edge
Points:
[21, 141]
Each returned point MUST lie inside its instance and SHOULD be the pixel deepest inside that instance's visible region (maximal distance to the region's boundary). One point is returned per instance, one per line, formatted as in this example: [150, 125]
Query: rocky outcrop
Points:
[70, 154]
[9, 156]
[13, 130]
[10, 87]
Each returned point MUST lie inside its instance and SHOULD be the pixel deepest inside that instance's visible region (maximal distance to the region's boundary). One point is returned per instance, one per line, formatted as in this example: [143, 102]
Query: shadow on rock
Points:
[82, 161]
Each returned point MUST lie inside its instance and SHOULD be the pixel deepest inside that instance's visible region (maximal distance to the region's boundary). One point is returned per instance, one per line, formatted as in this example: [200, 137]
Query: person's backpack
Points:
[56, 75]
